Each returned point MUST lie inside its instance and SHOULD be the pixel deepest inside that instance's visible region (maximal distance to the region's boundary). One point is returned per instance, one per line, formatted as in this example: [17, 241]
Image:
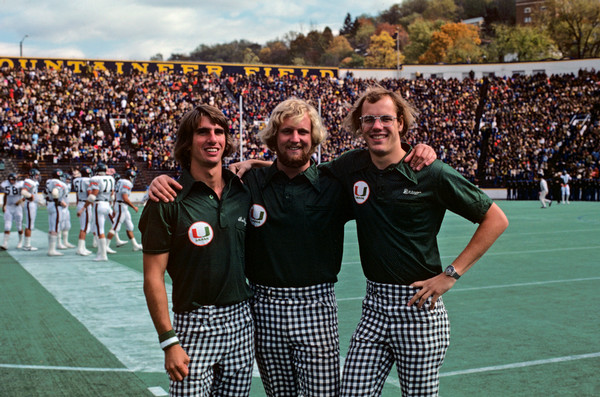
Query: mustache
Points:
[293, 145]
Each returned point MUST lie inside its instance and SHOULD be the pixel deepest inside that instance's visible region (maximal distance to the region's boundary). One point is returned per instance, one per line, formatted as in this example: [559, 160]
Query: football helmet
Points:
[35, 174]
[86, 171]
[130, 174]
[58, 174]
[100, 168]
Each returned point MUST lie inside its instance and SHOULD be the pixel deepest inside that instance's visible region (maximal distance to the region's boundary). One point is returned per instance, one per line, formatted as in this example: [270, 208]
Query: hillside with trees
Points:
[426, 32]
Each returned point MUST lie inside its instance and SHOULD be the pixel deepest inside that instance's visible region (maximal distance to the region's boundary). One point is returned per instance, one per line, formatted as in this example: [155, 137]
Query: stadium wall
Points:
[461, 71]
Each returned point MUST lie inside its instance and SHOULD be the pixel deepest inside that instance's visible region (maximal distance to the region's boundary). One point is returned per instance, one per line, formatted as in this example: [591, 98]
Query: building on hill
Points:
[526, 11]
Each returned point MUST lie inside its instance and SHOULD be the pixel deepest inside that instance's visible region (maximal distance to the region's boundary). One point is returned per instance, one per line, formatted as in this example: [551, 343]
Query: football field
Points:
[525, 320]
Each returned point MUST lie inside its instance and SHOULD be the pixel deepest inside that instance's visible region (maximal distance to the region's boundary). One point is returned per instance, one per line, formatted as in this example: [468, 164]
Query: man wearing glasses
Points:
[398, 215]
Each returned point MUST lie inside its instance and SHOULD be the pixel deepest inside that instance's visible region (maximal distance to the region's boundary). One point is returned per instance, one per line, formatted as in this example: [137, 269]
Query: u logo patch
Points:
[258, 215]
[200, 234]
[361, 192]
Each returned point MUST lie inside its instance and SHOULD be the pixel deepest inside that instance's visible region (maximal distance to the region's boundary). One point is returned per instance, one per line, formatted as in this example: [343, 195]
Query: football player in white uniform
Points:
[101, 189]
[12, 208]
[55, 194]
[65, 218]
[115, 207]
[29, 191]
[81, 185]
[565, 190]
[121, 214]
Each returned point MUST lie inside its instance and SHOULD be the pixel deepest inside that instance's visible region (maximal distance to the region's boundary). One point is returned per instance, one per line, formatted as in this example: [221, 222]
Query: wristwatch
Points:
[451, 271]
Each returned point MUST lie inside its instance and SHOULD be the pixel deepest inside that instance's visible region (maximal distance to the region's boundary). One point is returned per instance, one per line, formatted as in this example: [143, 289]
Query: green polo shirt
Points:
[205, 239]
[399, 213]
[295, 230]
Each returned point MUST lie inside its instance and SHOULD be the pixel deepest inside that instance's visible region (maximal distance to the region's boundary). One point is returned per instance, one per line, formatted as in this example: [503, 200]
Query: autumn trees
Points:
[574, 26]
[428, 31]
[454, 43]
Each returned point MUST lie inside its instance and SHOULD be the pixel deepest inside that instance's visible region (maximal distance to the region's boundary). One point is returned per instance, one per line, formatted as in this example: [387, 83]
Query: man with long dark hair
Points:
[199, 240]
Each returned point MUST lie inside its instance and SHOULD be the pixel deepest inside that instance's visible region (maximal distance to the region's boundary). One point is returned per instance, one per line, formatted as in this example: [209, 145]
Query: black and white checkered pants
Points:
[219, 342]
[297, 342]
[389, 331]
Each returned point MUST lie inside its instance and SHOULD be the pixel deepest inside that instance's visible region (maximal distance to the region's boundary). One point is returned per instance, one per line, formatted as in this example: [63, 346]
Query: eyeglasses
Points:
[386, 120]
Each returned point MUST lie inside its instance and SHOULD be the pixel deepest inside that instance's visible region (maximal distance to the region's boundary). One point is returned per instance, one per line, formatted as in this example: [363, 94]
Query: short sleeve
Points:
[157, 227]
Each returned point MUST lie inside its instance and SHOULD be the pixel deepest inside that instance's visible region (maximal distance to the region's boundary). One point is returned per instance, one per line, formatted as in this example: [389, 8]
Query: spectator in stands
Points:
[530, 116]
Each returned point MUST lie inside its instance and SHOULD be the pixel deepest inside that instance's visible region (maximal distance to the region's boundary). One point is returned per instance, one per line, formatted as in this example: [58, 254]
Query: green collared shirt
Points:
[399, 213]
[295, 231]
[205, 239]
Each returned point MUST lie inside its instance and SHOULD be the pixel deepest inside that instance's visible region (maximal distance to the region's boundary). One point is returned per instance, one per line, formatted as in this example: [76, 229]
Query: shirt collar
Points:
[311, 174]
[188, 182]
[403, 168]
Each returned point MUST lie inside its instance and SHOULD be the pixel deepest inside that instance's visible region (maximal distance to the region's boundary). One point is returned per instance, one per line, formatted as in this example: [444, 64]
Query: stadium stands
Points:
[61, 119]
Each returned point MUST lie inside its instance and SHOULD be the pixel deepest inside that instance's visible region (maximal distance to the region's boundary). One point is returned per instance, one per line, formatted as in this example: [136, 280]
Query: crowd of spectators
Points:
[62, 116]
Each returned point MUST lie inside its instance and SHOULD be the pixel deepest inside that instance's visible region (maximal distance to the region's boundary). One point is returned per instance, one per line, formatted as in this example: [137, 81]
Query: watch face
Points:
[450, 271]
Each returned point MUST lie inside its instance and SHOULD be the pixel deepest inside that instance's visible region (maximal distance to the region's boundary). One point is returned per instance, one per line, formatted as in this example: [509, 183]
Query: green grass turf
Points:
[530, 298]
[38, 333]
[524, 319]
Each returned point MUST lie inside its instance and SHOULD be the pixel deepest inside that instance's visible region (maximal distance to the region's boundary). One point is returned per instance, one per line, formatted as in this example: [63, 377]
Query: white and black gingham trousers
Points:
[389, 331]
[219, 343]
[297, 341]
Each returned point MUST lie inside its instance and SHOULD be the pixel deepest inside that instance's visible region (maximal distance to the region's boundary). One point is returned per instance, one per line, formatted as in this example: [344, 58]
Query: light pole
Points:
[21, 45]
[397, 49]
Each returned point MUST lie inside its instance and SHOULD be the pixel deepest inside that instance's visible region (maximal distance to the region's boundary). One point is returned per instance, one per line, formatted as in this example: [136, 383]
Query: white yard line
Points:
[533, 283]
[521, 364]
[106, 297]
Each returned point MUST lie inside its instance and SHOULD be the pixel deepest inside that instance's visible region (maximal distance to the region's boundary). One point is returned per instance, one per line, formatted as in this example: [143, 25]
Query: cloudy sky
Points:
[139, 29]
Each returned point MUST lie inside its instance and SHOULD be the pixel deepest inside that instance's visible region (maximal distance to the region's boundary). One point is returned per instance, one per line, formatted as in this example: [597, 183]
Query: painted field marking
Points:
[521, 365]
[106, 297]
[534, 283]
[61, 368]
[158, 391]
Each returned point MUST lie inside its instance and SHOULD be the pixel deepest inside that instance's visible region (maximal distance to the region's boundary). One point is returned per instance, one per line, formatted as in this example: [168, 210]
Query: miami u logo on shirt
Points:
[258, 215]
[200, 234]
[361, 192]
